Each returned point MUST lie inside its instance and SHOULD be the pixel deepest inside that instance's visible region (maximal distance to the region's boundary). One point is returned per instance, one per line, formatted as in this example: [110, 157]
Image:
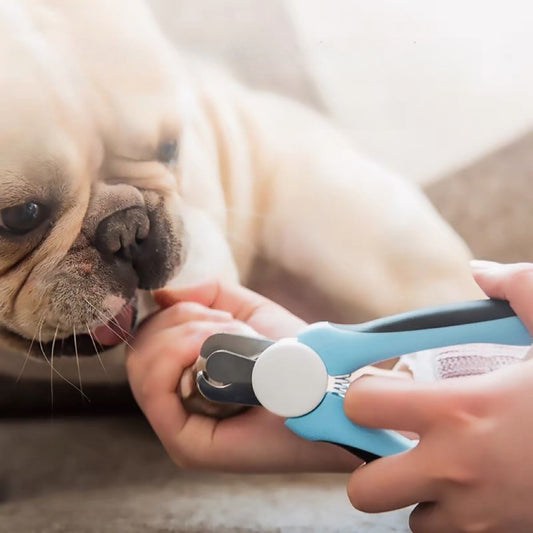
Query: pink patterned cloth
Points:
[463, 360]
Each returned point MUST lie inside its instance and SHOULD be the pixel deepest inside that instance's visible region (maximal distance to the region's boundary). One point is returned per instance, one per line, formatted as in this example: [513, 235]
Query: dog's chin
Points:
[105, 336]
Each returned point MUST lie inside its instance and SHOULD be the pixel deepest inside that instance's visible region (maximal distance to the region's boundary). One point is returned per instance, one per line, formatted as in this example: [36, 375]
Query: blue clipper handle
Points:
[329, 423]
[345, 348]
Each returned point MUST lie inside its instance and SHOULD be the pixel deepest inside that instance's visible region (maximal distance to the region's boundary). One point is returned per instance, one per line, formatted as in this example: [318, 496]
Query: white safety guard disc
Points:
[289, 378]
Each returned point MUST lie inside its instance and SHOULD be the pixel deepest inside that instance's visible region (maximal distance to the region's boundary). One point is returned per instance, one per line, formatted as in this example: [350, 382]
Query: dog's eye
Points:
[167, 151]
[23, 218]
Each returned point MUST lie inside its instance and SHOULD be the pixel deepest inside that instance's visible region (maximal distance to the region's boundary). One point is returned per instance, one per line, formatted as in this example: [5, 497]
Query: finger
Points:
[512, 282]
[391, 483]
[169, 346]
[429, 517]
[155, 369]
[258, 441]
[233, 298]
[186, 311]
[400, 404]
[267, 317]
[177, 314]
[154, 375]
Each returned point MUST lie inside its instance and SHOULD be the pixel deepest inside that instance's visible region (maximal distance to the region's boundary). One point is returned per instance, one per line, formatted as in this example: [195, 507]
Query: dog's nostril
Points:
[142, 232]
[121, 233]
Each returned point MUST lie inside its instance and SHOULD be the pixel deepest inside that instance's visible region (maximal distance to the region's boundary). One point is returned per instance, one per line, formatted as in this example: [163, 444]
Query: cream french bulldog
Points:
[125, 166]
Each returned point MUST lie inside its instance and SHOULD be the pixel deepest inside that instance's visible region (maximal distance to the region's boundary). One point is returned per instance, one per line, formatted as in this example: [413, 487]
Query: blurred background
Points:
[423, 87]
[438, 92]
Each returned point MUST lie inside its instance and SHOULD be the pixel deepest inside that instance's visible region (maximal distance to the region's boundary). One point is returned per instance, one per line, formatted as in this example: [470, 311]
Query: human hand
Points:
[170, 341]
[473, 467]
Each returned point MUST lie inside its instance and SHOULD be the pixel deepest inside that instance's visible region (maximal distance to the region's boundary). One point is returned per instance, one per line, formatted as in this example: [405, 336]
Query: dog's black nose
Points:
[121, 233]
[128, 240]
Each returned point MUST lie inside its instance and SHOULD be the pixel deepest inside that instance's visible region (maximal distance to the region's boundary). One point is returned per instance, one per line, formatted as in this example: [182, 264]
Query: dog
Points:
[126, 165]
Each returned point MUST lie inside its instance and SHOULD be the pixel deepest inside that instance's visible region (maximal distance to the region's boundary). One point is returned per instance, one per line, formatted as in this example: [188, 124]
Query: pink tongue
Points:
[116, 330]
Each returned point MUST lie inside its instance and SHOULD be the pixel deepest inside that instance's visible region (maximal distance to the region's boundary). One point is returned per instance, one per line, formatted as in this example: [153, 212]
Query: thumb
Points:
[512, 282]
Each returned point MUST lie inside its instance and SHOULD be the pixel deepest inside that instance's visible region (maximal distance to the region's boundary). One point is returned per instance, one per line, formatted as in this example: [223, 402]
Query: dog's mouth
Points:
[117, 330]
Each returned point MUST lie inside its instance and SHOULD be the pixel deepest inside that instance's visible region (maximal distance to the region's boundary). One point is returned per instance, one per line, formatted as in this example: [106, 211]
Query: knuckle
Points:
[453, 469]
[183, 461]
[189, 329]
[179, 311]
[237, 327]
[520, 281]
[483, 400]
[213, 288]
[184, 455]
[523, 272]
[199, 329]
[216, 288]
[460, 410]
[184, 312]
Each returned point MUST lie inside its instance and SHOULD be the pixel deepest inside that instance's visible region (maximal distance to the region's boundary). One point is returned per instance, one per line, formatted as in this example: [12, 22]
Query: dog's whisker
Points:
[77, 358]
[40, 331]
[68, 381]
[26, 359]
[96, 351]
[54, 370]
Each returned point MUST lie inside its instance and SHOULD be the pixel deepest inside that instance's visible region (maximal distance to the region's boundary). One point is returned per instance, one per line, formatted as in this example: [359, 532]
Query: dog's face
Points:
[89, 210]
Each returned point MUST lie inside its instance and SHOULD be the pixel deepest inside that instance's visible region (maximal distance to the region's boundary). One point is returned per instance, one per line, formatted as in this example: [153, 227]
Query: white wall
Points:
[423, 86]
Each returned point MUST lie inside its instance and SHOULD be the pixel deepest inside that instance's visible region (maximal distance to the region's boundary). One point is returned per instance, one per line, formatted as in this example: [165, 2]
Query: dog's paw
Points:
[194, 402]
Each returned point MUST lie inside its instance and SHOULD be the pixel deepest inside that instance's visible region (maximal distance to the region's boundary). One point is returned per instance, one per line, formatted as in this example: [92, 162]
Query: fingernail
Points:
[372, 371]
[482, 264]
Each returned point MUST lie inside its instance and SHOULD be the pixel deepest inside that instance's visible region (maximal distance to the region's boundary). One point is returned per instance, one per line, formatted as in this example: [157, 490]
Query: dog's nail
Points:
[187, 384]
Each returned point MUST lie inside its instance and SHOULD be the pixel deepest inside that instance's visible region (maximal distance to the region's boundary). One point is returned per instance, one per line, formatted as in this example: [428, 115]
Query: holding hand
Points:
[170, 341]
[473, 467]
